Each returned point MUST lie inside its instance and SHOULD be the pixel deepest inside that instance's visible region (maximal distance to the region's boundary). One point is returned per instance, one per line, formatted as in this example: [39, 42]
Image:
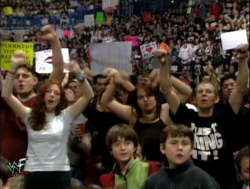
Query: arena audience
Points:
[191, 36]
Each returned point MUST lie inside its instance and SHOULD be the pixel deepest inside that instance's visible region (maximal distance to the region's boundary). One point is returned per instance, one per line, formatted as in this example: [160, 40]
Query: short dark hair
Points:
[243, 153]
[225, 78]
[175, 130]
[216, 92]
[28, 67]
[121, 130]
[5, 173]
[98, 76]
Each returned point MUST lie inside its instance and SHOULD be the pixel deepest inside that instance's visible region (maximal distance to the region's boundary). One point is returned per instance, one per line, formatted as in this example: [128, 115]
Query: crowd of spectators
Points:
[194, 44]
[194, 40]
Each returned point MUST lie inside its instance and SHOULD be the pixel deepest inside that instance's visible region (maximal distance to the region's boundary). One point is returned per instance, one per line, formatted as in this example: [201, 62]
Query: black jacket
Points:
[185, 176]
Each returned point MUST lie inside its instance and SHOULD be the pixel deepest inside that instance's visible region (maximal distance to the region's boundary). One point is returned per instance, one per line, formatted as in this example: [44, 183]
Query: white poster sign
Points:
[89, 20]
[111, 55]
[109, 3]
[147, 50]
[44, 60]
[230, 40]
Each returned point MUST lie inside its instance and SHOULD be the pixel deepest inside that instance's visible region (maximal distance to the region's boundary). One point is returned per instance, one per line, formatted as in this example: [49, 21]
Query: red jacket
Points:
[215, 10]
[197, 12]
[107, 180]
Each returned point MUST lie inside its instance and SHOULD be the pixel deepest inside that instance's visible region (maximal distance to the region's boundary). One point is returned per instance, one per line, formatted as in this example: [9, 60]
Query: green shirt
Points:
[135, 176]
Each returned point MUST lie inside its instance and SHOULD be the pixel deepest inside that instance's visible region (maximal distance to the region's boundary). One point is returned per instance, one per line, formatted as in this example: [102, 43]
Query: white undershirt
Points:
[189, 106]
[47, 148]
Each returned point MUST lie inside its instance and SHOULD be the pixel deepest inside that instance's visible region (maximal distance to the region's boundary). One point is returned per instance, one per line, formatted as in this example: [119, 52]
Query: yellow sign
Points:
[8, 10]
[8, 48]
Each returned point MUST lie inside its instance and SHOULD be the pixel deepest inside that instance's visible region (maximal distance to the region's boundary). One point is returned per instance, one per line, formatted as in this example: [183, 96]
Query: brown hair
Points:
[28, 67]
[216, 92]
[243, 153]
[70, 88]
[38, 118]
[136, 110]
[120, 130]
[176, 130]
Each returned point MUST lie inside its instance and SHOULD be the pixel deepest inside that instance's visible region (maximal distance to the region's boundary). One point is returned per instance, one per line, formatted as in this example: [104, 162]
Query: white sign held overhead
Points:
[111, 55]
[109, 3]
[230, 40]
[147, 50]
[44, 60]
[89, 20]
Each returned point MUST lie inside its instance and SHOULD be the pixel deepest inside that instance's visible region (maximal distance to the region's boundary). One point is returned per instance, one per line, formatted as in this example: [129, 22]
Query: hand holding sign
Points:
[242, 52]
[47, 33]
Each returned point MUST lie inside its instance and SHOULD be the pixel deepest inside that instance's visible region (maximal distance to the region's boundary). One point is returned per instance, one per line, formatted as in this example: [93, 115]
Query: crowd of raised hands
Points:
[155, 131]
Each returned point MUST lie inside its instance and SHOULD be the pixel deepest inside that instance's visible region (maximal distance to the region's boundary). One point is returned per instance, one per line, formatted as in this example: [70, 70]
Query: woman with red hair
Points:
[48, 126]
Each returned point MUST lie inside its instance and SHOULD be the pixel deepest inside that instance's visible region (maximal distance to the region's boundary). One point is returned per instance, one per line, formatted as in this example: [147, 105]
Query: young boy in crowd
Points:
[129, 171]
[176, 142]
[242, 165]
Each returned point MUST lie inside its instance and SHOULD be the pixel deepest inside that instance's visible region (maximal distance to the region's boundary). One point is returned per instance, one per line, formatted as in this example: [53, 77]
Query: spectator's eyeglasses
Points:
[232, 85]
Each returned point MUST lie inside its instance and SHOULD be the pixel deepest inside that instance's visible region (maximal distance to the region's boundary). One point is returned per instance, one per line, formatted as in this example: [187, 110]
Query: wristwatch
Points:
[82, 78]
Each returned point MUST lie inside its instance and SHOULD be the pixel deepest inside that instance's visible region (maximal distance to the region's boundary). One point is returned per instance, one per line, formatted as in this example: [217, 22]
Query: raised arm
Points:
[49, 34]
[236, 97]
[213, 76]
[17, 58]
[108, 101]
[166, 84]
[79, 106]
[184, 90]
[65, 79]
[2, 82]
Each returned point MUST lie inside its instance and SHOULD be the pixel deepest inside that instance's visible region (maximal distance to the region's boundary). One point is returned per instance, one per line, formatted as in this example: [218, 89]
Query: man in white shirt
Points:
[185, 54]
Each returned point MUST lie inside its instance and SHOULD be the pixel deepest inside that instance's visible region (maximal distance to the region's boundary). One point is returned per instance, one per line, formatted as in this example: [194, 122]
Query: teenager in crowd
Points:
[213, 129]
[242, 165]
[177, 144]
[14, 139]
[227, 85]
[145, 113]
[128, 171]
[48, 125]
